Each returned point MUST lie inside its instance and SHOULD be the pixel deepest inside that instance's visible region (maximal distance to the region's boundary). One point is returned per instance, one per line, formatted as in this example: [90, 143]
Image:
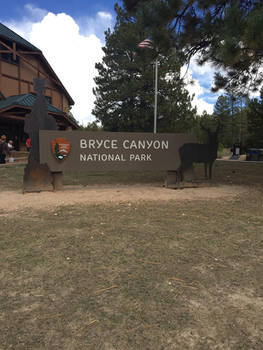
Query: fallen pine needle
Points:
[176, 279]
[104, 289]
[181, 281]
[151, 326]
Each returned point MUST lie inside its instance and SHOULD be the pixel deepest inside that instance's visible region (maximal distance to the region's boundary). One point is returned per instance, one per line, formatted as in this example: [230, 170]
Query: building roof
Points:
[10, 35]
[26, 100]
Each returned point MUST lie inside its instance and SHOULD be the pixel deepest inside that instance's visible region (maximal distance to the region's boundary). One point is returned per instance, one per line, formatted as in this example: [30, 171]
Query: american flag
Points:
[146, 43]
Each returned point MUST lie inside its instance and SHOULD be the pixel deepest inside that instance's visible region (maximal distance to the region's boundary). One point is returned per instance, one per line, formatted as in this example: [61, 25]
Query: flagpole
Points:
[149, 43]
[155, 96]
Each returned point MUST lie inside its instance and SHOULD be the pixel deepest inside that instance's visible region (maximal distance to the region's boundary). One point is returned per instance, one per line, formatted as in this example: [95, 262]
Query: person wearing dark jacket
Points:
[4, 150]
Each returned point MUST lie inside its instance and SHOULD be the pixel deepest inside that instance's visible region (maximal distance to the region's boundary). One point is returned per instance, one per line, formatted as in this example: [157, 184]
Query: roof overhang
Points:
[18, 112]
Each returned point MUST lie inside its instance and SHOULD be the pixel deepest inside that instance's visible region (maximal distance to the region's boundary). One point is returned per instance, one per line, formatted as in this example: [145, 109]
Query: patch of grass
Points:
[223, 173]
[152, 275]
[11, 177]
[142, 276]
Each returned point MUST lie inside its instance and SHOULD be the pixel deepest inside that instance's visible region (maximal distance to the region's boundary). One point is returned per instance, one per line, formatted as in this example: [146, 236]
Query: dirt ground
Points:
[118, 262]
[112, 194]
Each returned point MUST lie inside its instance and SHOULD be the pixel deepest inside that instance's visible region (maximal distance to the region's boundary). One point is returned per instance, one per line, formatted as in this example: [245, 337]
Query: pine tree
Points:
[228, 33]
[223, 111]
[255, 122]
[125, 84]
[231, 112]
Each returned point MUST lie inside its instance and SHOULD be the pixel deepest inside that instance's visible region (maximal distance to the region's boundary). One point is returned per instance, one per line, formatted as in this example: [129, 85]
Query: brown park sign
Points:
[103, 151]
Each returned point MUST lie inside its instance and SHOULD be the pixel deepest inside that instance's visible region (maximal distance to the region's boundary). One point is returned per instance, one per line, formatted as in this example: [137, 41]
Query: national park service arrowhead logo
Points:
[60, 148]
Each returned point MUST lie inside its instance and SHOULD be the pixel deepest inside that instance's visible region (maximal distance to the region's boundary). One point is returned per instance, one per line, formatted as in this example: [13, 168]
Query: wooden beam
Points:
[9, 49]
[29, 52]
[22, 52]
[61, 102]
[6, 109]
[25, 81]
[19, 77]
[14, 51]
[12, 117]
[16, 78]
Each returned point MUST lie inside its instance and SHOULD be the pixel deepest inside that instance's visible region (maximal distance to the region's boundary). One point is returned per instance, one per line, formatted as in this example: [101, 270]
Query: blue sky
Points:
[54, 26]
[77, 8]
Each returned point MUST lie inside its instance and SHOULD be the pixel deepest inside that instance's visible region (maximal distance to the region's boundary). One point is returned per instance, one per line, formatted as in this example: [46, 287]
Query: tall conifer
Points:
[125, 83]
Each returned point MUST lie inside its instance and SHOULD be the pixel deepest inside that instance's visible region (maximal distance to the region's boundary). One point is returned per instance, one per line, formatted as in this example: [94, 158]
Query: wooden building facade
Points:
[20, 64]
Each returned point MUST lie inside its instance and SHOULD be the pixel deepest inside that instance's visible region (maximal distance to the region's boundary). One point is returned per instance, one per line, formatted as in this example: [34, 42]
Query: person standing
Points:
[28, 144]
[10, 145]
[4, 151]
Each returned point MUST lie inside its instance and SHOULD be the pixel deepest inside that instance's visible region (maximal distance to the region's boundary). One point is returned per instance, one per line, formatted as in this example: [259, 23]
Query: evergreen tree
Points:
[209, 121]
[222, 110]
[125, 84]
[231, 111]
[91, 126]
[228, 33]
[226, 112]
[255, 122]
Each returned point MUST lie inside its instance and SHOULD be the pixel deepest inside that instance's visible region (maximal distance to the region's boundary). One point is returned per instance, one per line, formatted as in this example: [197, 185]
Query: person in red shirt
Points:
[28, 144]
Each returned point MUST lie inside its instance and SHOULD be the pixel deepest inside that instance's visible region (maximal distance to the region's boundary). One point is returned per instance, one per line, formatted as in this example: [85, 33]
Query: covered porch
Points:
[12, 115]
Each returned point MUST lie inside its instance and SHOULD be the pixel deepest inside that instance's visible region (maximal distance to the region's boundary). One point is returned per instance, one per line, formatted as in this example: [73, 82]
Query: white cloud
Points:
[71, 52]
[206, 70]
[31, 15]
[194, 87]
[105, 15]
[72, 56]
[204, 76]
[96, 25]
[34, 12]
[198, 101]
